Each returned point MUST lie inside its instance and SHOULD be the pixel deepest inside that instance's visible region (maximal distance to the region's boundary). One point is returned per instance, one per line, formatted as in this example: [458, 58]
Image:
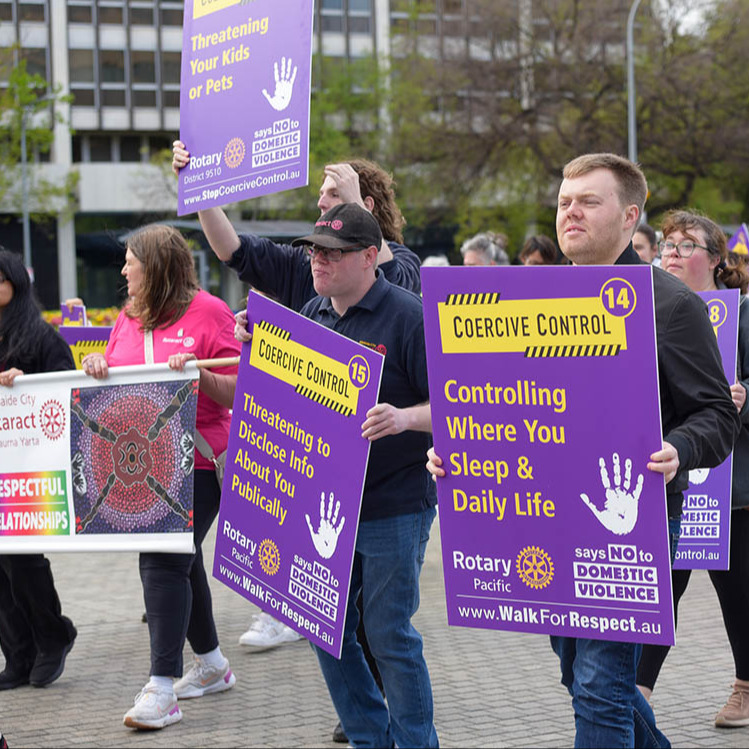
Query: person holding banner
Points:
[283, 272]
[600, 202]
[34, 635]
[398, 503]
[694, 250]
[169, 318]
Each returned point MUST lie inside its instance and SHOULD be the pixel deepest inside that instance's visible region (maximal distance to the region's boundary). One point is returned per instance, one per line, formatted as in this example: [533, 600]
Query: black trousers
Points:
[732, 587]
[31, 619]
[176, 593]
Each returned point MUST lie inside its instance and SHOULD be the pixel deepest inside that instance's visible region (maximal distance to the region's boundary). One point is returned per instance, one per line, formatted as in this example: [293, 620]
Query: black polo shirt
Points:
[389, 319]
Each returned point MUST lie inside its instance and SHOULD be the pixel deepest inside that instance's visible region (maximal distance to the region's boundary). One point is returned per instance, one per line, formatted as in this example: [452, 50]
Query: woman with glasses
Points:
[169, 318]
[694, 249]
[34, 635]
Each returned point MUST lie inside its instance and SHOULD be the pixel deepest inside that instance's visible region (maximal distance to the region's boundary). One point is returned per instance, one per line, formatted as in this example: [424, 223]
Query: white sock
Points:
[163, 683]
[213, 658]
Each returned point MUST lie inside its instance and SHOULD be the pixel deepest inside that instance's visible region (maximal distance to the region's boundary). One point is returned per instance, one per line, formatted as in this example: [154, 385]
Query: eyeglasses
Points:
[684, 249]
[333, 255]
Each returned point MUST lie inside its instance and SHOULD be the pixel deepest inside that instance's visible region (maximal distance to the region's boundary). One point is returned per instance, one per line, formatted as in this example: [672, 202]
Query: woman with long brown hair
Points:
[169, 318]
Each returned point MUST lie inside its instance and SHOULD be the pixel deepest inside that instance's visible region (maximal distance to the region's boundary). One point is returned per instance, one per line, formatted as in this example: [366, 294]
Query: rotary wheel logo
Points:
[535, 567]
[234, 153]
[269, 557]
[52, 419]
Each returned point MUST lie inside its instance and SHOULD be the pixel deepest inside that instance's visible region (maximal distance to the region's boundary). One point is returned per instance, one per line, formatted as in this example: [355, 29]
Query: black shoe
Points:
[339, 735]
[11, 677]
[144, 618]
[3, 742]
[49, 666]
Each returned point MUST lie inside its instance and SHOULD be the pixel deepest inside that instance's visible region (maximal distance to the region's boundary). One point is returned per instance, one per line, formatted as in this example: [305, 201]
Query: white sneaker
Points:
[204, 679]
[265, 633]
[153, 708]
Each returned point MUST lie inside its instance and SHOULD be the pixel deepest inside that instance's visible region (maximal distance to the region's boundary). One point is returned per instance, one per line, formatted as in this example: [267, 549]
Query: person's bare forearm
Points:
[218, 387]
[219, 232]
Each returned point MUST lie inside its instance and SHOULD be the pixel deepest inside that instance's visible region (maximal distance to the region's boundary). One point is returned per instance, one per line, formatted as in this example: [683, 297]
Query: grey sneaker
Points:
[735, 712]
[204, 679]
[265, 633]
[154, 708]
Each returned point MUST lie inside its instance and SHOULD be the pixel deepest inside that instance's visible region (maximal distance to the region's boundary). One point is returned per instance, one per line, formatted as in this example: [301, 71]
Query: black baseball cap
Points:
[344, 225]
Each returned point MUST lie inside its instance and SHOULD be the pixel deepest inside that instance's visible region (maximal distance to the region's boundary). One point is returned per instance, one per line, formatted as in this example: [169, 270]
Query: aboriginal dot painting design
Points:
[132, 457]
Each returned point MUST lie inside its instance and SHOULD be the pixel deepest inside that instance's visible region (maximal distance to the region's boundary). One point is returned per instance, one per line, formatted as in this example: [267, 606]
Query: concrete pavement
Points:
[491, 689]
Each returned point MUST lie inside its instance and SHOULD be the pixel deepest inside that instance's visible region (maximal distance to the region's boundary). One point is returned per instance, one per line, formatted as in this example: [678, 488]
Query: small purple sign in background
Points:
[545, 408]
[244, 100]
[295, 470]
[706, 519]
[85, 340]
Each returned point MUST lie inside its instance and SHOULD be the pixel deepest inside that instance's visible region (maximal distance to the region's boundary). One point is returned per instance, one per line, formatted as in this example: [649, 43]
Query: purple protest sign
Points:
[706, 518]
[76, 316]
[295, 470]
[244, 100]
[85, 340]
[545, 408]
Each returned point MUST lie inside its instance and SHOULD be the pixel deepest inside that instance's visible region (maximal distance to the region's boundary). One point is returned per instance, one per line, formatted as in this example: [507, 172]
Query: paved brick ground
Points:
[492, 689]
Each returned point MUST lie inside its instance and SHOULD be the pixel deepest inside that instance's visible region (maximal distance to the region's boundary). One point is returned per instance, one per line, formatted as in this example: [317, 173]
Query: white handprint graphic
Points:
[698, 475]
[620, 513]
[284, 84]
[326, 537]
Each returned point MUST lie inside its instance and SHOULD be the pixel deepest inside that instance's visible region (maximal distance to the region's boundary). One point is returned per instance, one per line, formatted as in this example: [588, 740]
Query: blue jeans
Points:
[387, 563]
[610, 710]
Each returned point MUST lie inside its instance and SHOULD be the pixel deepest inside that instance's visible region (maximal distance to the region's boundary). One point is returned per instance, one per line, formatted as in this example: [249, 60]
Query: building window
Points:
[110, 15]
[112, 66]
[171, 13]
[130, 148]
[170, 67]
[77, 149]
[144, 98]
[332, 23]
[82, 97]
[143, 67]
[170, 98]
[6, 11]
[99, 148]
[36, 61]
[79, 13]
[359, 24]
[113, 97]
[32, 12]
[81, 62]
[141, 16]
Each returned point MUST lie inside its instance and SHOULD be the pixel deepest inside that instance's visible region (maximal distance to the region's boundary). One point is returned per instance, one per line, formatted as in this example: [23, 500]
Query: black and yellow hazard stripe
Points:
[274, 330]
[324, 400]
[489, 297]
[537, 352]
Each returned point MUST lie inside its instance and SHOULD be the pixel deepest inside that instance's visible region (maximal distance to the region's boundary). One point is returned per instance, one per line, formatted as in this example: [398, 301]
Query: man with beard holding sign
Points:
[600, 203]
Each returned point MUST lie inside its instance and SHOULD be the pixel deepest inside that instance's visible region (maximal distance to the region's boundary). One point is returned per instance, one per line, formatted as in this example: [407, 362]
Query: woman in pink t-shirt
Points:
[169, 318]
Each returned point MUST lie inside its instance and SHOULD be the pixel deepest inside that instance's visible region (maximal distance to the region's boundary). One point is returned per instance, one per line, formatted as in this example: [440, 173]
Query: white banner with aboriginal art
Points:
[98, 465]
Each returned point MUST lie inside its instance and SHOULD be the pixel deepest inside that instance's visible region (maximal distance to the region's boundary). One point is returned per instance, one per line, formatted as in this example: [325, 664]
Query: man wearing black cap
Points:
[398, 504]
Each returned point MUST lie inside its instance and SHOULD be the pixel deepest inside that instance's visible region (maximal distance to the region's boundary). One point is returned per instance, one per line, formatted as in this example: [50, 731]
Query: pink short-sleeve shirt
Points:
[206, 330]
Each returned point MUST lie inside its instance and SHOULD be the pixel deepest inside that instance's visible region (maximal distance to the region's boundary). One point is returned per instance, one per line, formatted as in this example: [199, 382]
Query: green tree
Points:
[27, 97]
[486, 114]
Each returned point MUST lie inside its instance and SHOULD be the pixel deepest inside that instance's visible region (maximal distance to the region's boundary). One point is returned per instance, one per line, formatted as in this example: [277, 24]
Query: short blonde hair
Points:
[633, 187]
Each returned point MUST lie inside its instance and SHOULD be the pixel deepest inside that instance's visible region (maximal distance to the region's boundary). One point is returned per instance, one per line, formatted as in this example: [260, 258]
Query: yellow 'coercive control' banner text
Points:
[531, 326]
[310, 373]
